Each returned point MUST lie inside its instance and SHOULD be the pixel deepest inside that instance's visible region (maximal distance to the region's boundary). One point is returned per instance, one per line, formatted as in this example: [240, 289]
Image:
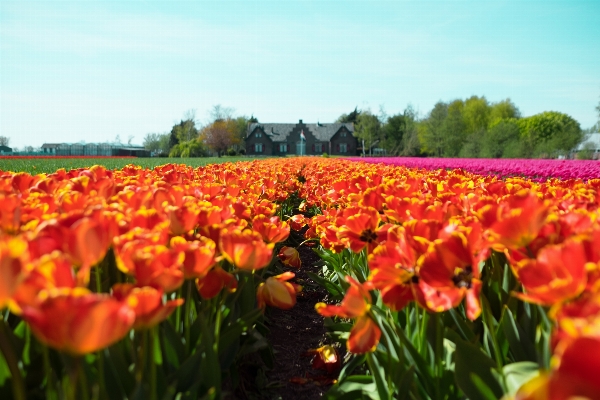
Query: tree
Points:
[410, 139]
[504, 109]
[157, 143]
[499, 137]
[4, 141]
[352, 117]
[393, 132]
[476, 114]
[431, 130]
[220, 135]
[368, 129]
[454, 129]
[550, 133]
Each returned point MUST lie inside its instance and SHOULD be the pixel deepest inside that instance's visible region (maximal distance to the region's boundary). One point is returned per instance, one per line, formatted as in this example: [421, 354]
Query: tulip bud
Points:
[289, 256]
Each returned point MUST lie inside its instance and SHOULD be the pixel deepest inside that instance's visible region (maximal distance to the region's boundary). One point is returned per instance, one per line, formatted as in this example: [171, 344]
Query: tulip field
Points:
[535, 169]
[444, 281]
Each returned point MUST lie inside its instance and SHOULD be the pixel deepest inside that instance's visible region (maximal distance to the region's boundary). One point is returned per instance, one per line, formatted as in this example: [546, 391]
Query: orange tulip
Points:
[199, 255]
[214, 281]
[245, 248]
[183, 219]
[365, 334]
[78, 322]
[518, 220]
[152, 265]
[13, 256]
[50, 271]
[557, 274]
[360, 228]
[576, 376]
[289, 256]
[277, 292]
[271, 229]
[147, 304]
[448, 273]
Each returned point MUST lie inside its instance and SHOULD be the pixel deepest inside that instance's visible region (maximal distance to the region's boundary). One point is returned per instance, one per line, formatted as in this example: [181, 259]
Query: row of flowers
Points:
[536, 169]
[89, 255]
[445, 242]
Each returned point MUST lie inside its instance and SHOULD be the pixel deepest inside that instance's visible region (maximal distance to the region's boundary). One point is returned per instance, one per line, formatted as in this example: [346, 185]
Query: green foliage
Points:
[432, 130]
[551, 133]
[352, 117]
[476, 114]
[498, 137]
[48, 165]
[368, 129]
[393, 133]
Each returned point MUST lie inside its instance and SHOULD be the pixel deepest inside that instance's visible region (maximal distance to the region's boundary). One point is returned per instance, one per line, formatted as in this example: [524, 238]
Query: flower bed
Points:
[443, 283]
[537, 170]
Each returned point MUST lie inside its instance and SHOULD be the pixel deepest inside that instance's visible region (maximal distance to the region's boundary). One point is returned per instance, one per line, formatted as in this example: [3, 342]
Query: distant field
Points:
[48, 165]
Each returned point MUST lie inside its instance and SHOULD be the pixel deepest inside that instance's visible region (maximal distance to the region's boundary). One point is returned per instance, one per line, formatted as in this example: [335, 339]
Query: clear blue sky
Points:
[72, 71]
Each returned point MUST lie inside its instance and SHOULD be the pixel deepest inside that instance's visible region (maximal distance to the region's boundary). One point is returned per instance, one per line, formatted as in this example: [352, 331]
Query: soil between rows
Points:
[291, 334]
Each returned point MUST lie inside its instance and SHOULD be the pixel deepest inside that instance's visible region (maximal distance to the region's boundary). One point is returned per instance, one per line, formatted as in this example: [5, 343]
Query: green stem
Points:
[218, 322]
[422, 334]
[48, 371]
[139, 366]
[153, 395]
[82, 378]
[101, 384]
[178, 312]
[438, 353]
[18, 384]
[186, 314]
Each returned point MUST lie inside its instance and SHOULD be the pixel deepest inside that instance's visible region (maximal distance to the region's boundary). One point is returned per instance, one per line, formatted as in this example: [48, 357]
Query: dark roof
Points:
[50, 145]
[280, 132]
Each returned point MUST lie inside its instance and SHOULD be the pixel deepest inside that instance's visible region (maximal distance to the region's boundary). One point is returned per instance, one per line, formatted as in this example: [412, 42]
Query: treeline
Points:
[467, 128]
[223, 134]
[470, 128]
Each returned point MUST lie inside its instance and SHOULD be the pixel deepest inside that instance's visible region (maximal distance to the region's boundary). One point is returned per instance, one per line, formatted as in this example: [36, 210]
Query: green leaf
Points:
[519, 373]
[334, 290]
[174, 351]
[354, 387]
[462, 325]
[355, 361]
[419, 362]
[520, 346]
[4, 370]
[378, 373]
[473, 370]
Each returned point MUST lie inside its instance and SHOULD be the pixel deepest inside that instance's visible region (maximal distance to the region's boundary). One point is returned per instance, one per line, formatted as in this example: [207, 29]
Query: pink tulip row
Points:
[537, 170]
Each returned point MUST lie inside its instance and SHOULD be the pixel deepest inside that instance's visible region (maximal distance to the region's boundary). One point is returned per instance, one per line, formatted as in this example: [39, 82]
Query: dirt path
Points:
[293, 333]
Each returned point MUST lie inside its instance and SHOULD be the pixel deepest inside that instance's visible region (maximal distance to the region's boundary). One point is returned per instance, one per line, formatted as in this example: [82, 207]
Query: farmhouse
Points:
[301, 139]
[5, 149]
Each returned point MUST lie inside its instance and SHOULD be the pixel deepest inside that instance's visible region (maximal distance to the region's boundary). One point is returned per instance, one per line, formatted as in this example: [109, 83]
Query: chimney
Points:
[300, 122]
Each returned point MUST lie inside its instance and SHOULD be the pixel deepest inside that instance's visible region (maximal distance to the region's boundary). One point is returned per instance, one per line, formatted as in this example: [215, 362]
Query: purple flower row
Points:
[537, 170]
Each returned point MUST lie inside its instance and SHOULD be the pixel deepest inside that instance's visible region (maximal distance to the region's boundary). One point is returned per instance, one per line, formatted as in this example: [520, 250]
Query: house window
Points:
[283, 148]
[343, 148]
[258, 147]
[258, 134]
[318, 148]
[343, 134]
